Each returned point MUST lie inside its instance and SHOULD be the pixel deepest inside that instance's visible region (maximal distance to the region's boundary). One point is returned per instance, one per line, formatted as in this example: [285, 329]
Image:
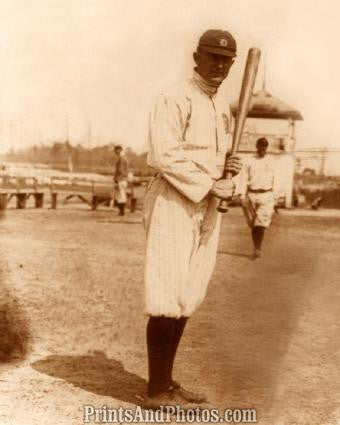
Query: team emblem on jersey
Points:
[223, 42]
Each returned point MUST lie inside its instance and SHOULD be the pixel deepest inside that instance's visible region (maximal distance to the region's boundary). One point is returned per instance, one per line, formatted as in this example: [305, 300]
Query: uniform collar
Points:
[203, 85]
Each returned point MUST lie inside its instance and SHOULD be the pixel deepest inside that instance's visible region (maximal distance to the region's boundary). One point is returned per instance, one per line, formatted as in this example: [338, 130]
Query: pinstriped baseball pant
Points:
[182, 240]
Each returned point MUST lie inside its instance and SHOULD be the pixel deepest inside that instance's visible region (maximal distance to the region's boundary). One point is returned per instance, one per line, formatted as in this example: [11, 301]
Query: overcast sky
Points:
[91, 68]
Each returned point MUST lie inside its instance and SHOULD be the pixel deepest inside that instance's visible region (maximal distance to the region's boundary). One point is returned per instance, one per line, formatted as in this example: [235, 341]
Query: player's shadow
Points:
[14, 331]
[95, 373]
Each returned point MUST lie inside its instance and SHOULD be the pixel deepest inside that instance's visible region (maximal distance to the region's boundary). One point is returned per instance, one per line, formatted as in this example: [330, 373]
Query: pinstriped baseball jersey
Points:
[187, 142]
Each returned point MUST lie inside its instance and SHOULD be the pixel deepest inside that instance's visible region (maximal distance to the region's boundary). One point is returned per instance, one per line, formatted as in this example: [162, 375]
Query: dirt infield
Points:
[266, 337]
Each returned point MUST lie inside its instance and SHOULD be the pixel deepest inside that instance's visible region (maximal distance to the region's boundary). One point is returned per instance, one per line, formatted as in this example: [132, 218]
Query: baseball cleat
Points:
[257, 253]
[168, 398]
[187, 395]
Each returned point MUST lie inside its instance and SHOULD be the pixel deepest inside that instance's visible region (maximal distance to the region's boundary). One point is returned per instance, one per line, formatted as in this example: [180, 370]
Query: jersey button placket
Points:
[216, 133]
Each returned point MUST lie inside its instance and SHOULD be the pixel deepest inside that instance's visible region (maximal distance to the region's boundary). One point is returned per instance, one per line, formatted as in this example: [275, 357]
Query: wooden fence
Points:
[54, 190]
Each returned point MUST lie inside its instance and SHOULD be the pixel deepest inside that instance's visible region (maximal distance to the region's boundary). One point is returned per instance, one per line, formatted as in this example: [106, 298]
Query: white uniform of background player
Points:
[258, 189]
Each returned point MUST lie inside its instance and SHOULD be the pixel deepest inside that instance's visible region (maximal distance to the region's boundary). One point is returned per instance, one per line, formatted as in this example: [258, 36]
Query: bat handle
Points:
[223, 206]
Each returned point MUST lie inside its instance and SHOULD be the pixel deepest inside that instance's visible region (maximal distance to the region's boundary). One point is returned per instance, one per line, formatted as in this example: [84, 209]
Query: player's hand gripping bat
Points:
[248, 82]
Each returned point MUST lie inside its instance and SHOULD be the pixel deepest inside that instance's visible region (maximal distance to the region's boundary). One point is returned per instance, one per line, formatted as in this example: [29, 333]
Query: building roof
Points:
[264, 105]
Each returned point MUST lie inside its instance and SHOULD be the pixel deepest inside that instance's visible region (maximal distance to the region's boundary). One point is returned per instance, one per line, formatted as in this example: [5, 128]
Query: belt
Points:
[259, 190]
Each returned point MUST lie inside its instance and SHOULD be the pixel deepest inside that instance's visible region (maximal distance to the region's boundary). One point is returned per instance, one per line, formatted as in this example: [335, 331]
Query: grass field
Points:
[267, 335]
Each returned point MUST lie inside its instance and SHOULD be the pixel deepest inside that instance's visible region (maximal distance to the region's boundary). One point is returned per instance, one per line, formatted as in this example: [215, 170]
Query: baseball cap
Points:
[219, 42]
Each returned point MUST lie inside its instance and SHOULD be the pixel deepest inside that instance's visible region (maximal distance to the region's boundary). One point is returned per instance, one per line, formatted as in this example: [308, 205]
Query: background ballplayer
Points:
[121, 179]
[258, 190]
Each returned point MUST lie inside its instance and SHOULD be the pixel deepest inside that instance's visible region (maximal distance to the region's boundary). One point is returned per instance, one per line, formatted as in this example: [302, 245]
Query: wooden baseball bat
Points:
[247, 87]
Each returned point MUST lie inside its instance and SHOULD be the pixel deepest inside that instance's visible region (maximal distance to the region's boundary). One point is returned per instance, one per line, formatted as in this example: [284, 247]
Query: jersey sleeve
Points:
[168, 121]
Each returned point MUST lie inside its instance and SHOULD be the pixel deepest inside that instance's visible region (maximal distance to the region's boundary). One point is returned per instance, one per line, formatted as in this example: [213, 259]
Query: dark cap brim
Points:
[217, 51]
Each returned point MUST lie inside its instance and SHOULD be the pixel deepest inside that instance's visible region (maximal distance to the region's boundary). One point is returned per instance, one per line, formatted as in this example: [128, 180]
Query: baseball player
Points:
[258, 189]
[121, 179]
[187, 147]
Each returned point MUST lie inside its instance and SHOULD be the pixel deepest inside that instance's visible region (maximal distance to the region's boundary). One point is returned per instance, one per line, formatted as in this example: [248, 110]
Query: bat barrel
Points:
[247, 86]
[246, 92]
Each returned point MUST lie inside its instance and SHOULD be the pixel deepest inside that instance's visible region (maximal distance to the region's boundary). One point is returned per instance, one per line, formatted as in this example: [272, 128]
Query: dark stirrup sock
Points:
[121, 207]
[257, 234]
[179, 328]
[159, 335]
